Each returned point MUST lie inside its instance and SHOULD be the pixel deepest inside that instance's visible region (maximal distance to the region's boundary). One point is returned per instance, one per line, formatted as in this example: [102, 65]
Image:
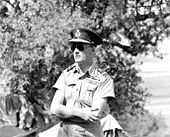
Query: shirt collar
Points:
[90, 70]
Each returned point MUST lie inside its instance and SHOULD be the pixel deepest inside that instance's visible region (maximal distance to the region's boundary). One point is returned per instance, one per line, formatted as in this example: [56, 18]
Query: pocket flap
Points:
[91, 87]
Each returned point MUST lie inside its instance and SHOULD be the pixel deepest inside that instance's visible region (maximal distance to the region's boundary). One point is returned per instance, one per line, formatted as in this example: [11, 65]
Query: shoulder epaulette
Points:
[103, 72]
[70, 67]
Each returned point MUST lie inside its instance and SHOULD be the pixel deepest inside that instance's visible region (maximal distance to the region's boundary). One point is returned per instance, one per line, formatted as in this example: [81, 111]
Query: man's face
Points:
[82, 52]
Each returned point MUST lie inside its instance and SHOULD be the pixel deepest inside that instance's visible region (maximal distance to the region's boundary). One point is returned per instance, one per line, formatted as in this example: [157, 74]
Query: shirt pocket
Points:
[69, 90]
[91, 89]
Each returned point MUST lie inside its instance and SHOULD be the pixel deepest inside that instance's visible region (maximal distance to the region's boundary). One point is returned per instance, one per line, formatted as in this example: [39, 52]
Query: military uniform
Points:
[84, 91]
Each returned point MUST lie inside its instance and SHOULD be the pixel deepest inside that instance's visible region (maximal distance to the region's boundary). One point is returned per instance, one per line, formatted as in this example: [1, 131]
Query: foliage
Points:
[146, 125]
[130, 96]
[34, 49]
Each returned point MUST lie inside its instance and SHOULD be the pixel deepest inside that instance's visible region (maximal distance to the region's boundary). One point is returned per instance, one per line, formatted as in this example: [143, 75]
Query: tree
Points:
[34, 49]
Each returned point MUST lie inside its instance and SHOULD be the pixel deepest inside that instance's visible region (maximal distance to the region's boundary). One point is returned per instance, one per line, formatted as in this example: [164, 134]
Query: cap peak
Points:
[84, 35]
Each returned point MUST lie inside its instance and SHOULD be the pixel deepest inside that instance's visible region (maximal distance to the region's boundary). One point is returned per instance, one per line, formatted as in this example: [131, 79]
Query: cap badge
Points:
[77, 34]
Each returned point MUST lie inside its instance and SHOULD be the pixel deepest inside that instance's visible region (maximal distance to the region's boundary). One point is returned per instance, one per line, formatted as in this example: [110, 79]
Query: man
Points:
[82, 92]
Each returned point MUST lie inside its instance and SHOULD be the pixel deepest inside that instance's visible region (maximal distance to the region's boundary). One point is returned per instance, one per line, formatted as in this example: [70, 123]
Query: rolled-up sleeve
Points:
[59, 94]
[60, 83]
[106, 88]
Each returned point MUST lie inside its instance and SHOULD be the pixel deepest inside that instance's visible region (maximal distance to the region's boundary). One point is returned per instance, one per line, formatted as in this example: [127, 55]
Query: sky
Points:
[156, 75]
[152, 66]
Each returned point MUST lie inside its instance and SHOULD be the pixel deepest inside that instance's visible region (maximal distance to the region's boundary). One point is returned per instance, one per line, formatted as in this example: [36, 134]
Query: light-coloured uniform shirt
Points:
[84, 90]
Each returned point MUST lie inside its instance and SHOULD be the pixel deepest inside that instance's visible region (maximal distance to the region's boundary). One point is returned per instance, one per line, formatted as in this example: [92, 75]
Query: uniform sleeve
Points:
[60, 83]
[106, 88]
[60, 91]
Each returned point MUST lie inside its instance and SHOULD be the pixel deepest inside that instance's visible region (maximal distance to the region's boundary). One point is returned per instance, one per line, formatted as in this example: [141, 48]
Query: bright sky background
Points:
[153, 66]
[156, 75]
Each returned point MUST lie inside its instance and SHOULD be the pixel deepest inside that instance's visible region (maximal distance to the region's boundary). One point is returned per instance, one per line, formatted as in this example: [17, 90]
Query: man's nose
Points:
[76, 51]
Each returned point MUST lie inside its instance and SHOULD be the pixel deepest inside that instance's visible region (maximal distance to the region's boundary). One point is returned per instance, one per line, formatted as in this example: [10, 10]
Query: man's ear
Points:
[97, 49]
[93, 48]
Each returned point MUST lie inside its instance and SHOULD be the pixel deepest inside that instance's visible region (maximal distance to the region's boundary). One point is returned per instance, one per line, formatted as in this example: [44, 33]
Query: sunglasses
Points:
[79, 46]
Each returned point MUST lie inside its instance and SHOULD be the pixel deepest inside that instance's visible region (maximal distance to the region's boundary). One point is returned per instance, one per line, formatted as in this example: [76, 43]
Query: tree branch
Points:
[140, 17]
[7, 1]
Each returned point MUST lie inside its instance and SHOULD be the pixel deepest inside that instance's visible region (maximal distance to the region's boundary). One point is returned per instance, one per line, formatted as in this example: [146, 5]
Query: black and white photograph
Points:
[84, 68]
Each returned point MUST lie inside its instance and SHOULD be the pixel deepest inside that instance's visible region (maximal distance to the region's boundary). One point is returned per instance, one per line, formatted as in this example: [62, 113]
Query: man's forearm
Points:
[73, 115]
[100, 108]
[64, 112]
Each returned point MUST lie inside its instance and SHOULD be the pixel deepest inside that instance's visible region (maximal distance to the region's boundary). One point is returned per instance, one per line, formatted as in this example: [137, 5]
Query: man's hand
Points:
[82, 116]
[88, 116]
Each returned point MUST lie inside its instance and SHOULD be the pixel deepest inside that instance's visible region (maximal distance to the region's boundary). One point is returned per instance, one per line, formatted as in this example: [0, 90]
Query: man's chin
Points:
[78, 61]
